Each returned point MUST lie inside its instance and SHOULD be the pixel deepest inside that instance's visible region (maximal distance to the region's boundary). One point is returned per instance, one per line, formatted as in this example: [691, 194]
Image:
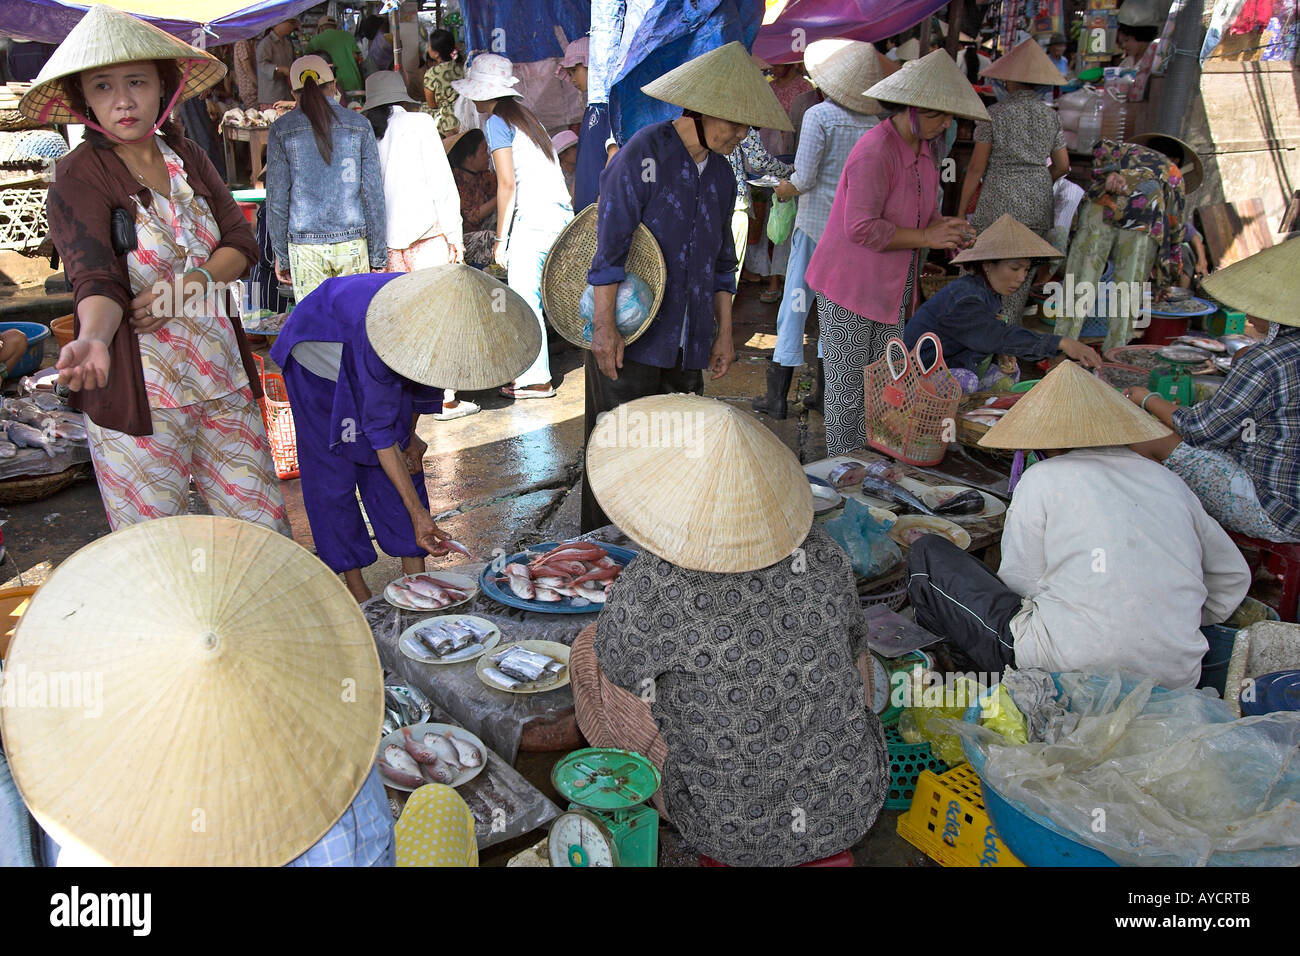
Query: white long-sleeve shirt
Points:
[1119, 567]
[420, 193]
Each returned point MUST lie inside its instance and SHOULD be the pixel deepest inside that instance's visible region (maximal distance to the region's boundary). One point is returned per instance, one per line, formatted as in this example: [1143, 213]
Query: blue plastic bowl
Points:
[1034, 839]
[36, 336]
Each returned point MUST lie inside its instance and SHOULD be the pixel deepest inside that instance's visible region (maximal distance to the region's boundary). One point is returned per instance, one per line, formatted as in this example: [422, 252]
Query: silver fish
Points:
[498, 679]
[400, 766]
[7, 449]
[22, 410]
[523, 664]
[25, 436]
[47, 401]
[441, 746]
[467, 755]
[64, 429]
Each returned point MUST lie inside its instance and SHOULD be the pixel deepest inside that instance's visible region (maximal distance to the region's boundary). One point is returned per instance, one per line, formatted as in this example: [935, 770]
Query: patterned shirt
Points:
[828, 135]
[758, 698]
[193, 358]
[363, 836]
[475, 189]
[1153, 202]
[437, 80]
[1255, 418]
[751, 160]
[688, 211]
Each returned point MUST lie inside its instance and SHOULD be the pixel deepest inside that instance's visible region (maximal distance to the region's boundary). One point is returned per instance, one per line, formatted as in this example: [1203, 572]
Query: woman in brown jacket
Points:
[151, 240]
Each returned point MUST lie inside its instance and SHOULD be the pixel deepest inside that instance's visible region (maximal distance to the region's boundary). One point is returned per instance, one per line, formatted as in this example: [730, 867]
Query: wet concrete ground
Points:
[505, 477]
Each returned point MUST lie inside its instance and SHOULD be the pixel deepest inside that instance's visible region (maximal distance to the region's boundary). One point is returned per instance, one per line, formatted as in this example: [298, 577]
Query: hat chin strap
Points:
[699, 132]
[57, 101]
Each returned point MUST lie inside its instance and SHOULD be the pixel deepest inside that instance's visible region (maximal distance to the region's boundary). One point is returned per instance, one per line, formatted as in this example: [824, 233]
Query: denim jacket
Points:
[311, 203]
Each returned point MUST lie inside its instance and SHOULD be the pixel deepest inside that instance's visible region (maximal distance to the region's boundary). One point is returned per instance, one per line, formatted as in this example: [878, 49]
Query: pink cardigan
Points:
[883, 187]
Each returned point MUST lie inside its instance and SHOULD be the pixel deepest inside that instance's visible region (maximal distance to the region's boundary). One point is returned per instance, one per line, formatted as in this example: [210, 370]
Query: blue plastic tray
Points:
[503, 595]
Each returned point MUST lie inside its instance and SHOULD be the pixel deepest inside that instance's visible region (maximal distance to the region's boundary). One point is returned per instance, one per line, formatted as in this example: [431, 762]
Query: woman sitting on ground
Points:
[732, 650]
[471, 167]
[1237, 449]
[966, 313]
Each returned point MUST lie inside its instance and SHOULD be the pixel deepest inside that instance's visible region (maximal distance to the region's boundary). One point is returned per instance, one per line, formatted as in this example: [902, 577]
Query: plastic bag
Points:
[780, 221]
[926, 721]
[1175, 778]
[865, 540]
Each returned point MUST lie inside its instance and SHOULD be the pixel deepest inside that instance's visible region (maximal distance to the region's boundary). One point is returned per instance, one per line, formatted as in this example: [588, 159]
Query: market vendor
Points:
[1237, 450]
[966, 314]
[687, 206]
[1132, 215]
[1109, 563]
[13, 343]
[732, 651]
[886, 209]
[363, 357]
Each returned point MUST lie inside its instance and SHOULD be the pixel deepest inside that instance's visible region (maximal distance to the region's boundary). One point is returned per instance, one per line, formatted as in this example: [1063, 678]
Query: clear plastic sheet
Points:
[1153, 777]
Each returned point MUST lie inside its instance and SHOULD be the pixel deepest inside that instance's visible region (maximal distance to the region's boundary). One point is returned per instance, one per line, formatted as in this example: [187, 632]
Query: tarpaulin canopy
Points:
[525, 31]
[49, 21]
[803, 21]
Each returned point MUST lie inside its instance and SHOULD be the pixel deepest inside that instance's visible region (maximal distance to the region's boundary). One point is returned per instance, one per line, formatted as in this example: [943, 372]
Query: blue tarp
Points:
[525, 31]
[49, 21]
[670, 34]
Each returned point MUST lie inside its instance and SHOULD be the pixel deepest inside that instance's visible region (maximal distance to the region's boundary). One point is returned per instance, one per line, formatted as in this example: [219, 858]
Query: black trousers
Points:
[605, 394]
[959, 599]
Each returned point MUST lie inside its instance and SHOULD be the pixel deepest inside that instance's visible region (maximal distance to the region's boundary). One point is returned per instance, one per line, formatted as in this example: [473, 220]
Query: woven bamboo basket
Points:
[15, 491]
[969, 433]
[932, 282]
[564, 277]
[889, 589]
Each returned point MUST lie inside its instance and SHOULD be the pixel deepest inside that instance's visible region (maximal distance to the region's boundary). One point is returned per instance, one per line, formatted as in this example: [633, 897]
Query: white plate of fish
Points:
[1201, 342]
[959, 503]
[882, 484]
[449, 639]
[525, 667]
[908, 528]
[430, 591]
[430, 753]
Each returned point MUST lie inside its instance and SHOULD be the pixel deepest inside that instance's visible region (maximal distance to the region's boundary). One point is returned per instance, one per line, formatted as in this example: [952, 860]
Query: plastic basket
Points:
[31, 358]
[277, 416]
[906, 761]
[948, 823]
[909, 410]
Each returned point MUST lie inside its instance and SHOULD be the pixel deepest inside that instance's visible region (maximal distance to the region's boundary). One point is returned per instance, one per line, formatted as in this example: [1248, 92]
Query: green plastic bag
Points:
[780, 221]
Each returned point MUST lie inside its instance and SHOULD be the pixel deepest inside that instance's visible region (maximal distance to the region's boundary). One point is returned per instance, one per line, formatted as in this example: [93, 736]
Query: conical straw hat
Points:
[842, 69]
[1186, 158]
[932, 83]
[909, 50]
[1263, 285]
[699, 483]
[564, 275]
[1008, 239]
[724, 83]
[453, 326]
[1025, 63]
[105, 37]
[212, 697]
[1071, 409]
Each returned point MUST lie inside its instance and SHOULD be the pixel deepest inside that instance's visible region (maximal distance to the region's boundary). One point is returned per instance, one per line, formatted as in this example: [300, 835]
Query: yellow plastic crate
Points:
[947, 821]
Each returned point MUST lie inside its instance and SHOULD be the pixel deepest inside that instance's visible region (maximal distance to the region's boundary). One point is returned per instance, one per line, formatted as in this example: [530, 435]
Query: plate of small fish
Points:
[449, 639]
[525, 667]
[430, 753]
[572, 577]
[908, 528]
[959, 503]
[428, 591]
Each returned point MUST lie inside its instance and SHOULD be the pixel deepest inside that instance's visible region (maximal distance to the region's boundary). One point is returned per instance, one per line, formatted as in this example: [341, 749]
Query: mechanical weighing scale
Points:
[609, 821]
[1172, 378]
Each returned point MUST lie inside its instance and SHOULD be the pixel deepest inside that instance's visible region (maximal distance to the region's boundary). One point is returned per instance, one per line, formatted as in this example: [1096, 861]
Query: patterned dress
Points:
[205, 422]
[773, 756]
[438, 79]
[1024, 132]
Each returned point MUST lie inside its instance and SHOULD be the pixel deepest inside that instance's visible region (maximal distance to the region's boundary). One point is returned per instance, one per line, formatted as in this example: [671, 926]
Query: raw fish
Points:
[440, 772]
[467, 755]
[400, 767]
[847, 474]
[498, 679]
[442, 747]
[880, 488]
[421, 751]
[967, 502]
[26, 436]
[7, 449]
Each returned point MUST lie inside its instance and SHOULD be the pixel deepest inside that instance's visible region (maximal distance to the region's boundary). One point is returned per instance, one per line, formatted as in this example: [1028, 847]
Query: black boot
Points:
[778, 385]
[814, 399]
